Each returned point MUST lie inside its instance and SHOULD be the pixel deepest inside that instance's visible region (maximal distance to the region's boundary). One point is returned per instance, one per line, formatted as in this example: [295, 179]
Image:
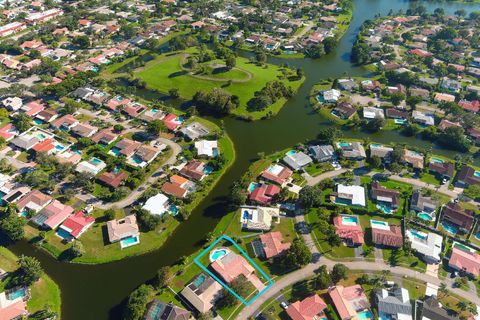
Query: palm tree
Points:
[462, 305]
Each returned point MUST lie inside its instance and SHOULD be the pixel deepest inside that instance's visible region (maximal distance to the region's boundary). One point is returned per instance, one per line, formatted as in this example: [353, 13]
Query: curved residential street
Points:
[176, 148]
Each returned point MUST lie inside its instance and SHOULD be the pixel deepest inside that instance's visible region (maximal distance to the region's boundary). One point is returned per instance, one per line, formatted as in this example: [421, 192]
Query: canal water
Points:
[97, 292]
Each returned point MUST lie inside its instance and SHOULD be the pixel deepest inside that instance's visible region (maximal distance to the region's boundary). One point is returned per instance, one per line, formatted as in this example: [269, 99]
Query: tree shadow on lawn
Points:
[301, 290]
[177, 74]
[219, 70]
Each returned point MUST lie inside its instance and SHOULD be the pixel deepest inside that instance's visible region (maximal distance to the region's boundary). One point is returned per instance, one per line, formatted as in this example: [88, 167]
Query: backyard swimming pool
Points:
[379, 223]
[96, 161]
[436, 160]
[291, 152]
[385, 208]
[218, 254]
[425, 216]
[252, 186]
[449, 228]
[18, 293]
[365, 315]
[343, 144]
[417, 234]
[349, 220]
[128, 242]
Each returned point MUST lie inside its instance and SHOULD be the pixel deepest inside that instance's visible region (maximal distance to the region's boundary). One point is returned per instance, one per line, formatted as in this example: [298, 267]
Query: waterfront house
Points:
[277, 173]
[53, 215]
[172, 122]
[264, 194]
[445, 124]
[347, 84]
[468, 176]
[371, 85]
[331, 96]
[322, 153]
[195, 170]
[232, 265]
[202, 292]
[194, 131]
[381, 151]
[428, 245]
[77, 224]
[258, 218]
[442, 169]
[384, 195]
[453, 213]
[270, 245]
[413, 158]
[352, 150]
[207, 148]
[12, 308]
[122, 229]
[297, 159]
[350, 302]
[393, 303]
[310, 308]
[465, 259]
[152, 114]
[386, 235]
[432, 309]
[349, 195]
[348, 228]
[423, 118]
[178, 186]
[35, 201]
[157, 310]
[373, 113]
[344, 110]
[157, 205]
[117, 102]
[113, 179]
[92, 166]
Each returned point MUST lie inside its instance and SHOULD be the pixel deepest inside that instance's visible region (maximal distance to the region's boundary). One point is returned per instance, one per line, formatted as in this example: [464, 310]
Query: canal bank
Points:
[97, 292]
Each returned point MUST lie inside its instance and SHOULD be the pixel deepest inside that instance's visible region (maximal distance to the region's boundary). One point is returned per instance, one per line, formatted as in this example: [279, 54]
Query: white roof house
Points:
[157, 204]
[355, 194]
[258, 218]
[297, 160]
[331, 95]
[427, 244]
[12, 103]
[372, 113]
[426, 119]
[92, 166]
[207, 148]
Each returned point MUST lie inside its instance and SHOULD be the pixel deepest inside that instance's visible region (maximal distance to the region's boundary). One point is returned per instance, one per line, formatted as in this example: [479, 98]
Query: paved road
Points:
[311, 181]
[140, 189]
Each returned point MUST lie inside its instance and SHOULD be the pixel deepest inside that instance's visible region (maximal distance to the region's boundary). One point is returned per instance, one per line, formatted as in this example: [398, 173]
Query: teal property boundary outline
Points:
[224, 237]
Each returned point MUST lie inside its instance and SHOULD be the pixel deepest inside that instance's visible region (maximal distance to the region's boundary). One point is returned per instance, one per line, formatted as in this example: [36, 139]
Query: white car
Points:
[284, 305]
[336, 165]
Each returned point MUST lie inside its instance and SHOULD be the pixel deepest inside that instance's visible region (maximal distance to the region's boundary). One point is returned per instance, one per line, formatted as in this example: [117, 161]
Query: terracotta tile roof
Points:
[391, 238]
[56, 212]
[455, 214]
[112, 179]
[174, 189]
[467, 175]
[445, 168]
[354, 233]
[348, 300]
[466, 261]
[34, 199]
[272, 244]
[194, 170]
[77, 224]
[264, 193]
[381, 193]
[44, 146]
[280, 177]
[307, 309]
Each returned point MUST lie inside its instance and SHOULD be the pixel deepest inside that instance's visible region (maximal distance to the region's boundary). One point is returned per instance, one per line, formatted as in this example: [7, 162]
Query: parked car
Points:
[284, 305]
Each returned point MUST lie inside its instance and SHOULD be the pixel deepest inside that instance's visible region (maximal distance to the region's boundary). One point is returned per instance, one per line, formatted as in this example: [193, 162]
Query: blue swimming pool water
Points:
[41, 137]
[215, 152]
[137, 159]
[199, 280]
[96, 161]
[350, 219]
[476, 173]
[173, 210]
[400, 121]
[425, 216]
[207, 170]
[17, 294]
[252, 186]
[418, 235]
[246, 215]
[217, 254]
[343, 144]
[64, 234]
[449, 227]
[378, 223]
[127, 242]
[436, 160]
[37, 121]
[116, 170]
[154, 110]
[375, 145]
[365, 315]
[385, 208]
[115, 151]
[343, 202]
[291, 152]
[320, 98]
[59, 147]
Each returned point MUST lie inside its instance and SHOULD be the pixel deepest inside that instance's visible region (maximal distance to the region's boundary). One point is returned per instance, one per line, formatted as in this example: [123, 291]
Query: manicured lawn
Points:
[44, 292]
[316, 169]
[430, 179]
[165, 73]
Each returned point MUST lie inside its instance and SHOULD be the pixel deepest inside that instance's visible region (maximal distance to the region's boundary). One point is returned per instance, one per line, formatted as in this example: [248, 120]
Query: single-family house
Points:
[443, 97]
[207, 148]
[423, 118]
[32, 108]
[344, 110]
[172, 122]
[25, 141]
[471, 106]
[413, 158]
[53, 215]
[462, 218]
[270, 245]
[443, 169]
[92, 166]
[104, 137]
[264, 194]
[144, 155]
[347, 84]
[468, 176]
[76, 225]
[385, 196]
[122, 229]
[393, 303]
[331, 96]
[322, 153]
[157, 205]
[194, 131]
[422, 204]
[34, 201]
[157, 310]
[352, 150]
[349, 301]
[386, 235]
[84, 130]
[373, 113]
[8, 132]
[202, 292]
[428, 245]
[125, 147]
[277, 173]
[12, 103]
[258, 218]
[349, 195]
[194, 170]
[348, 228]
[310, 308]
[113, 179]
[432, 309]
[297, 159]
[177, 186]
[381, 151]
[419, 92]
[232, 265]
[47, 115]
[465, 259]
